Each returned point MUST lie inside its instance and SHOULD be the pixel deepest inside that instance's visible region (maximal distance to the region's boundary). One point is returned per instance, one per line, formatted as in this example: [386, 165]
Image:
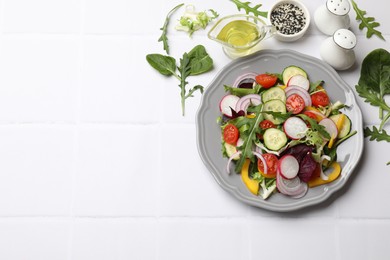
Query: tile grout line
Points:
[76, 162]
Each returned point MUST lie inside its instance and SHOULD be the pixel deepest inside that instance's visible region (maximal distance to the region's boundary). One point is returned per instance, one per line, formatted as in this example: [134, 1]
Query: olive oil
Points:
[239, 33]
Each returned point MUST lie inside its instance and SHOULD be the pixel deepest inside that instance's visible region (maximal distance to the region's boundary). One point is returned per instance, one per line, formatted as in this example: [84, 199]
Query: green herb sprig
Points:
[164, 38]
[373, 86]
[366, 22]
[195, 62]
[248, 9]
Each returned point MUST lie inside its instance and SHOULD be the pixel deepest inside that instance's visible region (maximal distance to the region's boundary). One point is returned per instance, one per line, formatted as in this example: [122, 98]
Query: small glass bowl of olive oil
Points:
[239, 34]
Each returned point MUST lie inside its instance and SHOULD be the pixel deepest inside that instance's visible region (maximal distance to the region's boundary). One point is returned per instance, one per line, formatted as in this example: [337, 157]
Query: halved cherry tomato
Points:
[272, 162]
[266, 80]
[311, 115]
[231, 134]
[320, 98]
[295, 104]
[265, 124]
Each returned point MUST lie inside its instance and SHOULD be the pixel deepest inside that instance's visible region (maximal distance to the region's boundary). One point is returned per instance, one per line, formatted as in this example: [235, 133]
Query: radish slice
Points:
[230, 160]
[288, 166]
[258, 155]
[243, 77]
[244, 102]
[294, 187]
[295, 128]
[330, 127]
[290, 90]
[300, 81]
[228, 103]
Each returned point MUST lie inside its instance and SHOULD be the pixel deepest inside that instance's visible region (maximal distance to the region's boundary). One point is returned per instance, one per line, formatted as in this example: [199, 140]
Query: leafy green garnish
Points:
[315, 126]
[373, 85]
[248, 9]
[242, 91]
[366, 22]
[374, 81]
[376, 134]
[192, 21]
[196, 62]
[164, 38]
[249, 127]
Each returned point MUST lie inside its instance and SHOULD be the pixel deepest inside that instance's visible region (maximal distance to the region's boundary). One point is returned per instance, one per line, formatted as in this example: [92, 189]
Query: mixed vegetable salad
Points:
[282, 132]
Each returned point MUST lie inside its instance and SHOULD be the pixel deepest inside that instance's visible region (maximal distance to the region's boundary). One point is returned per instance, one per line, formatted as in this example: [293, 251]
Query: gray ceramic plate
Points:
[209, 135]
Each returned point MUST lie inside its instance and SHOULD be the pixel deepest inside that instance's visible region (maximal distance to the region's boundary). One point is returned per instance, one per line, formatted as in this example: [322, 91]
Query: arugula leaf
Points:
[164, 38]
[376, 134]
[246, 6]
[248, 136]
[315, 126]
[195, 62]
[366, 22]
[279, 115]
[242, 91]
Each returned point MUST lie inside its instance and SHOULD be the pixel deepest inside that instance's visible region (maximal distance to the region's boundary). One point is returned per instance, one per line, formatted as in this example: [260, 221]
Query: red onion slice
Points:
[230, 161]
[244, 102]
[258, 155]
[250, 75]
[294, 187]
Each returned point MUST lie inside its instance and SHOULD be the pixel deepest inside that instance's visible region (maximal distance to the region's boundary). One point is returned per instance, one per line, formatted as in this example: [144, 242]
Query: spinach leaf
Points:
[200, 61]
[375, 72]
[166, 65]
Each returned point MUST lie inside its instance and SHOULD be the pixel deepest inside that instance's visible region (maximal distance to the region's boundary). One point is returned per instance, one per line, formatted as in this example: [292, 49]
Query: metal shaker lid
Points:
[345, 39]
[338, 7]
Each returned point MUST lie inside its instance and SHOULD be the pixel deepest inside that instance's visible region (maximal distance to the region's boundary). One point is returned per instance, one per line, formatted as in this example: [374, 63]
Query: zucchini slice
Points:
[290, 71]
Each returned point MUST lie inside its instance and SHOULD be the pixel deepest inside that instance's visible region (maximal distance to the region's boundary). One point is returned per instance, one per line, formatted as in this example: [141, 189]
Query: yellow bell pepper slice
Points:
[251, 184]
[339, 126]
[331, 177]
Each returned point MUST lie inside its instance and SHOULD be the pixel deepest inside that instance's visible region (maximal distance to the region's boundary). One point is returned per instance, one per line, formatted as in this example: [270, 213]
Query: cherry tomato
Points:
[231, 134]
[311, 115]
[295, 104]
[266, 80]
[265, 124]
[272, 161]
[320, 99]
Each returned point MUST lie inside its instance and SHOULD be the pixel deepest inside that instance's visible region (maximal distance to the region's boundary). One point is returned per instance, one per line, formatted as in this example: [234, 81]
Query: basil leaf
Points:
[166, 65]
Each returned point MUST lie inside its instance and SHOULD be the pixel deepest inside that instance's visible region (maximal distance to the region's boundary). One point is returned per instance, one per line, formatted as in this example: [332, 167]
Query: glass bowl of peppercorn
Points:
[291, 19]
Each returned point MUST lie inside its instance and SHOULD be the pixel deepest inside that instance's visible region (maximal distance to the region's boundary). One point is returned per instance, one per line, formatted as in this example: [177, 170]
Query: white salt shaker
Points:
[333, 15]
[338, 51]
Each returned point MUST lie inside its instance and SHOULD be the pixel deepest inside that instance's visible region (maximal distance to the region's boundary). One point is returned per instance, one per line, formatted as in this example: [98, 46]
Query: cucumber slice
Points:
[275, 105]
[274, 139]
[345, 128]
[231, 150]
[273, 93]
[290, 71]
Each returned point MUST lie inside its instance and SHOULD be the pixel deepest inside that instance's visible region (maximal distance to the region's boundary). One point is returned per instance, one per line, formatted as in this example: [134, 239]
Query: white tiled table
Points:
[96, 161]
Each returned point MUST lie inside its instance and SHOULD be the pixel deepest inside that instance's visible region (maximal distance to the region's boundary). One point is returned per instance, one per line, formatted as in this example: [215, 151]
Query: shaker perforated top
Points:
[338, 7]
[345, 39]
